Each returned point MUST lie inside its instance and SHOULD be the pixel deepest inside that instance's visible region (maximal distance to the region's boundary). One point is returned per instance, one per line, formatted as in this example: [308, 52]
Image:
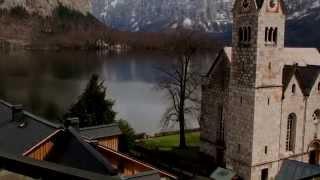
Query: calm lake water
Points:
[47, 83]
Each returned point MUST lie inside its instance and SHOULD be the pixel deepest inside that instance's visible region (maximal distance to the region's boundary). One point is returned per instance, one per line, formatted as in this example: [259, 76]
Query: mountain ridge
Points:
[212, 16]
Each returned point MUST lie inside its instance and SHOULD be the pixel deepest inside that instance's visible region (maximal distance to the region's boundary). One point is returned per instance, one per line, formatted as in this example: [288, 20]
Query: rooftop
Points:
[102, 131]
[17, 129]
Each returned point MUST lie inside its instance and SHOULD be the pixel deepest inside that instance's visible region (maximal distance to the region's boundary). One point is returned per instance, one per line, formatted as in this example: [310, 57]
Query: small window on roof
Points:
[293, 90]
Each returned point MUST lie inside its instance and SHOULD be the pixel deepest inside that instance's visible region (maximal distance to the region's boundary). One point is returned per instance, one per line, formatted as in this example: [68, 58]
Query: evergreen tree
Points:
[128, 136]
[92, 107]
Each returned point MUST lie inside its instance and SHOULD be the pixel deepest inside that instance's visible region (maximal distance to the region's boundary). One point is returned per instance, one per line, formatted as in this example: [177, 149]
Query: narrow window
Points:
[293, 89]
[239, 148]
[240, 34]
[268, 101]
[270, 34]
[316, 116]
[243, 66]
[275, 35]
[241, 100]
[291, 128]
[221, 124]
[266, 150]
[266, 34]
[245, 34]
[249, 34]
[264, 174]
[269, 66]
[319, 87]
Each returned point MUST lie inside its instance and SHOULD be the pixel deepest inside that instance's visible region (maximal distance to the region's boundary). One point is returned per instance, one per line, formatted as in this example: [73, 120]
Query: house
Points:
[24, 136]
[260, 99]
[105, 135]
[21, 131]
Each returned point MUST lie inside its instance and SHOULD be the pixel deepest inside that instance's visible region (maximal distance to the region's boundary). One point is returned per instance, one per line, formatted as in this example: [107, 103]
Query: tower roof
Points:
[259, 3]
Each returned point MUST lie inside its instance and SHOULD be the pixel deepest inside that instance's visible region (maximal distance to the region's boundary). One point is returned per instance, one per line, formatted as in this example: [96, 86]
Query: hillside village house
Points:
[87, 151]
[261, 100]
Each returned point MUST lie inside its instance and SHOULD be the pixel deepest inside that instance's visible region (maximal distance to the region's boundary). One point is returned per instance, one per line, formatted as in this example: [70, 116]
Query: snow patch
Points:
[187, 22]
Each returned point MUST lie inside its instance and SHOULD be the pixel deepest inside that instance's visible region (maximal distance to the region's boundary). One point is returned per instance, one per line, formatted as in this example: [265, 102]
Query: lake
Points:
[47, 83]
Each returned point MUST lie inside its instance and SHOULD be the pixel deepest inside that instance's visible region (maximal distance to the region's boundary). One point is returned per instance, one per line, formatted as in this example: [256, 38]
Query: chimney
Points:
[73, 122]
[17, 112]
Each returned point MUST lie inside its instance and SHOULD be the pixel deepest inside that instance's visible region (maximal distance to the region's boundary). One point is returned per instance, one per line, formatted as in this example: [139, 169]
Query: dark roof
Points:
[306, 76]
[259, 3]
[17, 135]
[45, 170]
[295, 170]
[227, 51]
[147, 175]
[102, 131]
[71, 150]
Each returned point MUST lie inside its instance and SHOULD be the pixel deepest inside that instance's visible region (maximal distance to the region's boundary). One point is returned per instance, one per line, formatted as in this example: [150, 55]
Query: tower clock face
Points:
[246, 4]
[273, 5]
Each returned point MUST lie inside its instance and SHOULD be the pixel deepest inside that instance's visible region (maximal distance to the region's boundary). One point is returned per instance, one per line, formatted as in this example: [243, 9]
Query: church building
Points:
[261, 100]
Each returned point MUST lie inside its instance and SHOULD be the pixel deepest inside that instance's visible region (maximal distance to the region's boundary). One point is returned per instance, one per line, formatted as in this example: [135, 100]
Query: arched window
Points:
[316, 116]
[240, 34]
[275, 35]
[249, 33]
[270, 34]
[291, 132]
[266, 34]
[293, 89]
[245, 34]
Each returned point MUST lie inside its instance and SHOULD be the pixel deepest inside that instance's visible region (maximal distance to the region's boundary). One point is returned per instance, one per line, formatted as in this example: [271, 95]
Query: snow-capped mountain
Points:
[158, 15]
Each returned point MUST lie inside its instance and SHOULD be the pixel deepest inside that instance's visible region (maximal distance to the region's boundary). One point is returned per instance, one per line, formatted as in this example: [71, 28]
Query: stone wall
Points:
[214, 94]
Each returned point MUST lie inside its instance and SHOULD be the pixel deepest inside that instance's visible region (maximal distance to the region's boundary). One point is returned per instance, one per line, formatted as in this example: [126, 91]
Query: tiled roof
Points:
[148, 175]
[226, 51]
[295, 170]
[20, 134]
[19, 165]
[96, 132]
[306, 76]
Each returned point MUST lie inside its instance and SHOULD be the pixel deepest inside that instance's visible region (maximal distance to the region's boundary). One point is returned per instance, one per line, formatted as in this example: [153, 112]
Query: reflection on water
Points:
[47, 83]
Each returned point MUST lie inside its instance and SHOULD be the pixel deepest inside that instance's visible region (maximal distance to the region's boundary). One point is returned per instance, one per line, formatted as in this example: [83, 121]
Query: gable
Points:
[316, 86]
[288, 90]
[306, 77]
[224, 54]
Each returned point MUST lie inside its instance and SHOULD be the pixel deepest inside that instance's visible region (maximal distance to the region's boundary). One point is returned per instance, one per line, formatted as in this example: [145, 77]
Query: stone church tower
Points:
[255, 88]
[261, 100]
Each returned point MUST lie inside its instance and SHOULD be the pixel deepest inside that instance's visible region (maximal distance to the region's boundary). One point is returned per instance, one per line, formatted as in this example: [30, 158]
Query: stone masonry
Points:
[261, 100]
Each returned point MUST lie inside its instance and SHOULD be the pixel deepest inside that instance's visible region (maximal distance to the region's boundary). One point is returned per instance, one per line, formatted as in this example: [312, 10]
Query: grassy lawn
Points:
[170, 142]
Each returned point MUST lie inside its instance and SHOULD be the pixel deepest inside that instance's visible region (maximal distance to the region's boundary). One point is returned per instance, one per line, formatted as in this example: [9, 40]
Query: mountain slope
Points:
[50, 24]
[46, 7]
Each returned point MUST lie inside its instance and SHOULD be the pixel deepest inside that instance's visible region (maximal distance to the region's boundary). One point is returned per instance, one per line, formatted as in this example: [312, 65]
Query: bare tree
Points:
[181, 81]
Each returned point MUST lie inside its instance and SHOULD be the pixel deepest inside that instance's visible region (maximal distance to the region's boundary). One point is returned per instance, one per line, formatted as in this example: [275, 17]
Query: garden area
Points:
[163, 151]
